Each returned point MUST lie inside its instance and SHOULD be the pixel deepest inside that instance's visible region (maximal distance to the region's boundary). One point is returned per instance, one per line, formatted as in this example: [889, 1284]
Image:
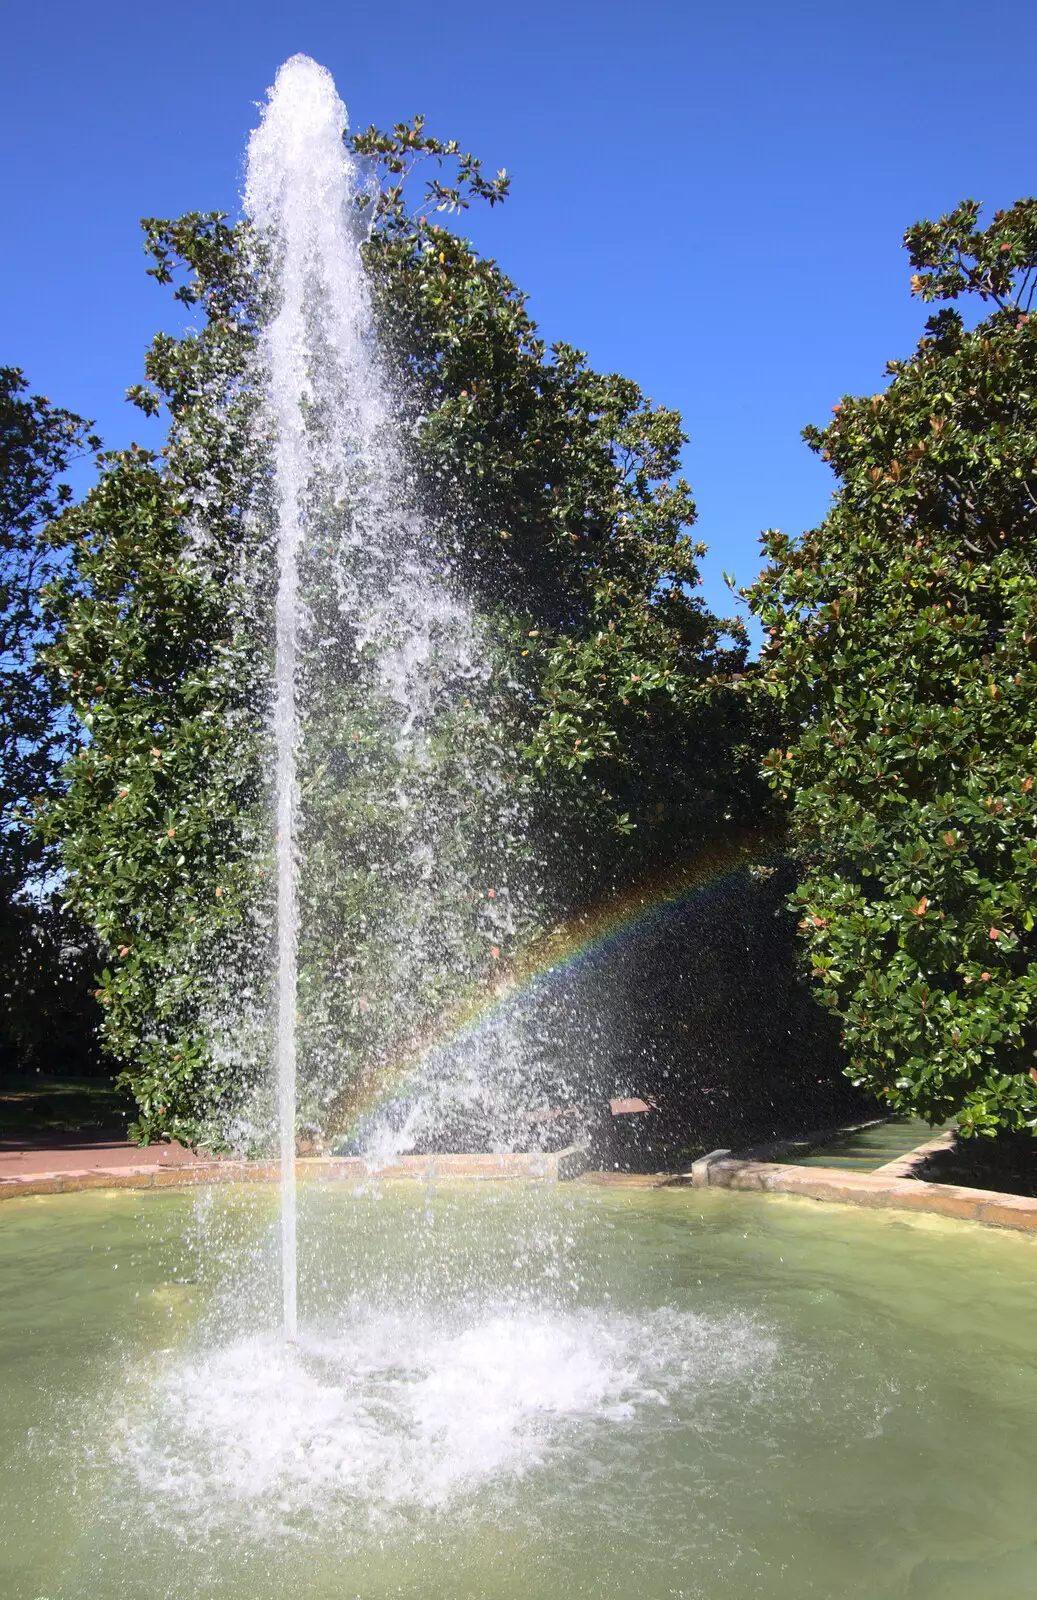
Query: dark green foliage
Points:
[37, 442]
[48, 974]
[159, 659]
[903, 653]
[569, 526]
[48, 1016]
[572, 524]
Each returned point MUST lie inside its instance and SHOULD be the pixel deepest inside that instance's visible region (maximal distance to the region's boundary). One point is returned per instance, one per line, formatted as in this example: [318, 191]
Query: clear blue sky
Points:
[707, 197]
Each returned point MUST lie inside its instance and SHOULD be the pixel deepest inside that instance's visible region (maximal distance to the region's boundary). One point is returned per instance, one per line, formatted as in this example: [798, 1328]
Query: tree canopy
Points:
[42, 958]
[902, 651]
[557, 489]
[37, 443]
[572, 518]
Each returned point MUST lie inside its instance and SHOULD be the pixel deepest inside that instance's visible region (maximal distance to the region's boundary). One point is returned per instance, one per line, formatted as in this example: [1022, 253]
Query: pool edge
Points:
[879, 1190]
[891, 1189]
[557, 1166]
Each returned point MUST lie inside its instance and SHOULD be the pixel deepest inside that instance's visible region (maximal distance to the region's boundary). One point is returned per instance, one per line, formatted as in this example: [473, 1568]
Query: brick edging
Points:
[878, 1190]
[558, 1166]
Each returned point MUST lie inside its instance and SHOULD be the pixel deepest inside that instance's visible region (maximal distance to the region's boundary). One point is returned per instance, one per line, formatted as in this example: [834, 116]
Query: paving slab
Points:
[82, 1153]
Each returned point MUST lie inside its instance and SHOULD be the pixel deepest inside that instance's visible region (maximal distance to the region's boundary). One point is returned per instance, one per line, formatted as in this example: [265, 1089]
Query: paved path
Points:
[92, 1151]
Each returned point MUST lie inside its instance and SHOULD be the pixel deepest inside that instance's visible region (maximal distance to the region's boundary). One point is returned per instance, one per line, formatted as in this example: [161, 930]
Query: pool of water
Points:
[870, 1148]
[513, 1391]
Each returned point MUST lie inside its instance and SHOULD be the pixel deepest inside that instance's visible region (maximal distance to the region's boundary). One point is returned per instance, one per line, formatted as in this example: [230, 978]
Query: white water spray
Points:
[363, 609]
[299, 193]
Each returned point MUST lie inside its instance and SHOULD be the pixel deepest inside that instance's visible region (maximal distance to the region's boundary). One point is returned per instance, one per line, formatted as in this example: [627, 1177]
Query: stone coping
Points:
[558, 1166]
[886, 1189]
[912, 1163]
[890, 1188]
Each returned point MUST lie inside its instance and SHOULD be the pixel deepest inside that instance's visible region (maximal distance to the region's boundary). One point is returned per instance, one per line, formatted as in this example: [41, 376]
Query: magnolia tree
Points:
[902, 650]
[45, 958]
[557, 489]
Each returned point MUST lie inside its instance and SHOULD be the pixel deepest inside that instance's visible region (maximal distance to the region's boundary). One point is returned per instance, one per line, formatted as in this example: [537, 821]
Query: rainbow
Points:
[559, 951]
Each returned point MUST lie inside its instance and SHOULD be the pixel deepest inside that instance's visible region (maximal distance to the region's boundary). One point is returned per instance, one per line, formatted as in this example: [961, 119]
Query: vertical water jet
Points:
[392, 810]
[297, 194]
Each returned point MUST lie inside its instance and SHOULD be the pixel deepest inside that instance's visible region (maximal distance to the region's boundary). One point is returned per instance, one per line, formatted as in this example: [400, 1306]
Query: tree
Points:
[573, 523]
[902, 650]
[43, 959]
[158, 655]
[558, 489]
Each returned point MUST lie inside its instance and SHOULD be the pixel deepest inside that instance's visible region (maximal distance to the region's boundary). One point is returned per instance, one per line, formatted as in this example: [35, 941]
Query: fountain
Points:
[511, 1390]
[341, 488]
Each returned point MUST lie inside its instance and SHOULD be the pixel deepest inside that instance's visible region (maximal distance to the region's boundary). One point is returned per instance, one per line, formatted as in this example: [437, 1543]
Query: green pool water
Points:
[513, 1392]
[871, 1148]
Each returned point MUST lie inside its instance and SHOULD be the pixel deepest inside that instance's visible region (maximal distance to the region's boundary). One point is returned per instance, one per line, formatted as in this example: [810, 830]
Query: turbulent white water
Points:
[410, 1409]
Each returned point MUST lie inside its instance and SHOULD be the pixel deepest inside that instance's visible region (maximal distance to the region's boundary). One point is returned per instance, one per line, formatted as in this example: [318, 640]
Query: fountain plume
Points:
[369, 632]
